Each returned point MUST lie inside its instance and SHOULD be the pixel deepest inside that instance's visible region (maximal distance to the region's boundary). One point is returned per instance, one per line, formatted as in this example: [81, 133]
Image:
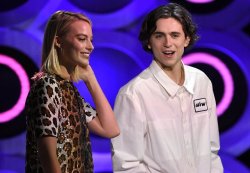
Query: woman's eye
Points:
[81, 39]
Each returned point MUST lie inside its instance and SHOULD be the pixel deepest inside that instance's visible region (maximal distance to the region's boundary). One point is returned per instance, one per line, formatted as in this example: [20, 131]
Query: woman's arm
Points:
[105, 123]
[46, 136]
[47, 154]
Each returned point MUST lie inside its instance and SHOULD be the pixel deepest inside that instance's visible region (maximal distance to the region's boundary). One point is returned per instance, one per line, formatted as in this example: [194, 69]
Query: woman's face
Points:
[76, 45]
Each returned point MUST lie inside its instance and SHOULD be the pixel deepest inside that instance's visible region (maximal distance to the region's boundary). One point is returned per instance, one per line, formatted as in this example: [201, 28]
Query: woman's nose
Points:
[90, 45]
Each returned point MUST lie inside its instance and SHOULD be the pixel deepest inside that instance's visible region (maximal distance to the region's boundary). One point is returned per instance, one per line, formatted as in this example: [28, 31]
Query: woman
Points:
[58, 119]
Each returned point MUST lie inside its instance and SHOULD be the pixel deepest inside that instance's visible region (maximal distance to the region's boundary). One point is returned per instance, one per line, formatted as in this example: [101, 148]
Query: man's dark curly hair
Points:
[171, 10]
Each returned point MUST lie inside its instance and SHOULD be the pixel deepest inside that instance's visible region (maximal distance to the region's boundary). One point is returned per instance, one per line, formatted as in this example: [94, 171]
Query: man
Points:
[167, 114]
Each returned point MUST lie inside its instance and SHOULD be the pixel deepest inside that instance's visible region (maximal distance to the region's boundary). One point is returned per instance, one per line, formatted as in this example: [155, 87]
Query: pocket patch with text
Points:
[200, 105]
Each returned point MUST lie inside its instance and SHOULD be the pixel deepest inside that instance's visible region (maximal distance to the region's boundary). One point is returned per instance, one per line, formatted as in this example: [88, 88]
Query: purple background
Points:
[224, 26]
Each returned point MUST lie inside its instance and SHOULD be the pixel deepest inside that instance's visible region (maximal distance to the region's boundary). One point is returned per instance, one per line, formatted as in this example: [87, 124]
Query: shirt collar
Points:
[168, 84]
[190, 79]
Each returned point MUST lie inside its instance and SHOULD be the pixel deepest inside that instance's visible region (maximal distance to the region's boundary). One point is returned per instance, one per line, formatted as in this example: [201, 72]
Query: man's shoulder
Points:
[196, 74]
[194, 71]
[135, 83]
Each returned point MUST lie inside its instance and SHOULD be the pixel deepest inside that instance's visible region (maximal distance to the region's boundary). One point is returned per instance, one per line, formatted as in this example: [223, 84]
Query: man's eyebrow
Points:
[158, 32]
[173, 32]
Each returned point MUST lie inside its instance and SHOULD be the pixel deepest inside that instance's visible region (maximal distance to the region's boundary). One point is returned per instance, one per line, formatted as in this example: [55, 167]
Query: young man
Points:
[162, 129]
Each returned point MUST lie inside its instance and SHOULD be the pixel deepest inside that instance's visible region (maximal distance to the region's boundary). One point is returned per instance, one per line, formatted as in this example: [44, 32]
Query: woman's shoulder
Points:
[43, 79]
[46, 77]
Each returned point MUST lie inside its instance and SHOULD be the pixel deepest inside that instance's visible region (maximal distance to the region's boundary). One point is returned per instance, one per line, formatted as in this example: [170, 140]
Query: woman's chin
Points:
[84, 64]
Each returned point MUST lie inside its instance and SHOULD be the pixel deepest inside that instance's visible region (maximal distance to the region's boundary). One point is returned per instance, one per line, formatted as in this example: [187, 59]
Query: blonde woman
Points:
[58, 118]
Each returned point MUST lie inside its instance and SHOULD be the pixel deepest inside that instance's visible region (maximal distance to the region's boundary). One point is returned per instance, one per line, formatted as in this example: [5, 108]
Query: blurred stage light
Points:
[119, 14]
[18, 11]
[201, 57]
[203, 6]
[16, 70]
[200, 1]
[6, 5]
[25, 86]
[229, 82]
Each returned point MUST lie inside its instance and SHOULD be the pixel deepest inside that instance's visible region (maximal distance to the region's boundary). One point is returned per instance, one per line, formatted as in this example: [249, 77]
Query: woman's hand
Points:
[86, 73]
[105, 123]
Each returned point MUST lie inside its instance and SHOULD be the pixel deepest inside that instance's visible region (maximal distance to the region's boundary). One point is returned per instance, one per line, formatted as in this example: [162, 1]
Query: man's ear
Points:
[57, 42]
[149, 45]
[187, 41]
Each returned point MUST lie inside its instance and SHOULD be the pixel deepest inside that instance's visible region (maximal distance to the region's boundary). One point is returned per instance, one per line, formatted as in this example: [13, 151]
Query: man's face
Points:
[168, 43]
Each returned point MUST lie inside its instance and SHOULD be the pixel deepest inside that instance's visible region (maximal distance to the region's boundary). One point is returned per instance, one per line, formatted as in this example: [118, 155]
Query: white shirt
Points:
[167, 128]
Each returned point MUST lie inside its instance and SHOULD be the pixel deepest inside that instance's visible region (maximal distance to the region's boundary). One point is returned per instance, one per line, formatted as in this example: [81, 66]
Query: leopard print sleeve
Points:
[90, 112]
[48, 108]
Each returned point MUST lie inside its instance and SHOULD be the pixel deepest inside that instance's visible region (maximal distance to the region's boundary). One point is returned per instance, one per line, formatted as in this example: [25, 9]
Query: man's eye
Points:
[175, 35]
[158, 36]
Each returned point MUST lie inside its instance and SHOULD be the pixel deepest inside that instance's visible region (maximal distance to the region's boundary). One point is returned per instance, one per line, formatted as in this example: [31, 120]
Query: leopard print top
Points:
[55, 108]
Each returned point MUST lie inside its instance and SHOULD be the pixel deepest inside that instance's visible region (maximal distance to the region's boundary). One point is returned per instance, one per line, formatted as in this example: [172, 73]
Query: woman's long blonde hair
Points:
[58, 25]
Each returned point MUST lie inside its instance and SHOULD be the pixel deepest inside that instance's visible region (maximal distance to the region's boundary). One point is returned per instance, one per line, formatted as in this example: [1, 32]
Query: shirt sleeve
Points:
[216, 164]
[128, 147]
[90, 112]
[46, 109]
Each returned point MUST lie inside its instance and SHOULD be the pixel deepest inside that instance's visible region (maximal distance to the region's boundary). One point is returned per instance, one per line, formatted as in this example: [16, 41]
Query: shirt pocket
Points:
[164, 140]
[201, 130]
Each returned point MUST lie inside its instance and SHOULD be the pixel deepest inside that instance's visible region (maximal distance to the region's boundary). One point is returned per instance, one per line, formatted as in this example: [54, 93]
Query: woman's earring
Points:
[149, 47]
[61, 50]
[58, 47]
